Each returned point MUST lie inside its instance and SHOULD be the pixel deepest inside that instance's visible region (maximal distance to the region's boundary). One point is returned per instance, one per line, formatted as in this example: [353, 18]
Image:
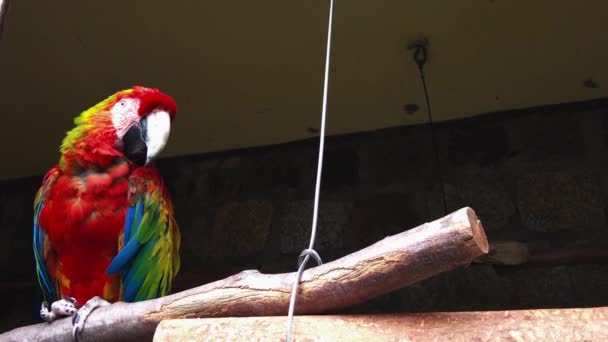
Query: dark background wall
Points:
[537, 176]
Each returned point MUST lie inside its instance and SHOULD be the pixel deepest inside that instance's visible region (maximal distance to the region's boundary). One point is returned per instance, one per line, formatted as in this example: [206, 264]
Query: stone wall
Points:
[538, 176]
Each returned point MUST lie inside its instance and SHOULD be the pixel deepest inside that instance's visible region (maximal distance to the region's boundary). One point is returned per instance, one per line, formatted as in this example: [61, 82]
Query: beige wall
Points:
[248, 73]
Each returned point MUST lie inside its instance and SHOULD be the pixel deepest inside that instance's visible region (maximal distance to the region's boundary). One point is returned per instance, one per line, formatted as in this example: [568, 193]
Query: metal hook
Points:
[420, 53]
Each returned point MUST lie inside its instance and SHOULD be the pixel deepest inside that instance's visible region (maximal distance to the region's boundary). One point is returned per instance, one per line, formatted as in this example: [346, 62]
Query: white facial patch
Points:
[158, 128]
[124, 115]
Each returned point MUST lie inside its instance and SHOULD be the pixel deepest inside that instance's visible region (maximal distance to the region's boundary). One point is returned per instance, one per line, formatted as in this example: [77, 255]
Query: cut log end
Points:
[479, 235]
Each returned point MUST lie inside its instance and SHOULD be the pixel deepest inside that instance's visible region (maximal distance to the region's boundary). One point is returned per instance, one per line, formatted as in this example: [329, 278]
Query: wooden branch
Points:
[389, 264]
[521, 325]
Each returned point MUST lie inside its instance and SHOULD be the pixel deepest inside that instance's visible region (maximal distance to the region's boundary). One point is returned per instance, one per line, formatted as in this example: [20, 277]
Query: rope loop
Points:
[311, 253]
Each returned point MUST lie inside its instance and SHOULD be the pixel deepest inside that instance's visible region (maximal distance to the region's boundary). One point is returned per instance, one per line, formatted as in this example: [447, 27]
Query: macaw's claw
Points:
[63, 307]
[45, 313]
[79, 318]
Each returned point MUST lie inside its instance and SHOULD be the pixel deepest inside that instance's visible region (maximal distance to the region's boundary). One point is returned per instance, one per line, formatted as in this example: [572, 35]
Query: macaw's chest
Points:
[86, 212]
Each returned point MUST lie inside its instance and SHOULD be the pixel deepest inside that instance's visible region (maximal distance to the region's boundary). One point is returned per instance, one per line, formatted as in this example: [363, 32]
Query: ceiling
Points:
[250, 73]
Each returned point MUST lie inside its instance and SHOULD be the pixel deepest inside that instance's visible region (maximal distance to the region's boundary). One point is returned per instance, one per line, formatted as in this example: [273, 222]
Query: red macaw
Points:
[103, 220]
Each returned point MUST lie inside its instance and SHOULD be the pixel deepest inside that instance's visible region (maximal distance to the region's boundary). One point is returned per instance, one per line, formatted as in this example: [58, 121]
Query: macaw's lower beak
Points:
[134, 144]
[146, 139]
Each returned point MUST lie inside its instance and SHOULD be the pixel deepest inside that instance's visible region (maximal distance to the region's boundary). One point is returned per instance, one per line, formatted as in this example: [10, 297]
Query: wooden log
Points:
[520, 325]
[392, 263]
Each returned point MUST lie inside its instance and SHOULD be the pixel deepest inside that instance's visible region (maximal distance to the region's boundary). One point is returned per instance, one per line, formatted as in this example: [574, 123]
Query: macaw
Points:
[104, 229]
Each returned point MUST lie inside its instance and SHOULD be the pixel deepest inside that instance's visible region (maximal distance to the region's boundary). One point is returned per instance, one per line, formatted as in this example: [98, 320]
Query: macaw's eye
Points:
[123, 103]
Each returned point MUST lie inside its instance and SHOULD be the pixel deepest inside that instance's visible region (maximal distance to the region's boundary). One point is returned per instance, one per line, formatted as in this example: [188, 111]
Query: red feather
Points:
[83, 219]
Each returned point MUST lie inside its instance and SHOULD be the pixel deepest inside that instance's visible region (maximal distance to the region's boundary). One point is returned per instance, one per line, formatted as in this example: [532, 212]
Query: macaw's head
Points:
[132, 124]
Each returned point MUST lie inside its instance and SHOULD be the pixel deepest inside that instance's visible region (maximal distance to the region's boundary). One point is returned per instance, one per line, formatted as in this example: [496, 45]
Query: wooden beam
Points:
[513, 253]
[506, 253]
[521, 325]
[392, 263]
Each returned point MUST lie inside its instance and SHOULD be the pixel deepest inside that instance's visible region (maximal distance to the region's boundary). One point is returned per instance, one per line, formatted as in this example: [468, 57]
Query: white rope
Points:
[3, 10]
[307, 253]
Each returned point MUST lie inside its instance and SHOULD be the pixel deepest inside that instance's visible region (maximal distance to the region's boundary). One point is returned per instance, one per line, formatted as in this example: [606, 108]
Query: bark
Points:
[392, 263]
[521, 325]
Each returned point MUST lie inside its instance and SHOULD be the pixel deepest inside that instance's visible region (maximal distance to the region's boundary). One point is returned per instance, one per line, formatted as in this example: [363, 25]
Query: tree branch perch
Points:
[392, 263]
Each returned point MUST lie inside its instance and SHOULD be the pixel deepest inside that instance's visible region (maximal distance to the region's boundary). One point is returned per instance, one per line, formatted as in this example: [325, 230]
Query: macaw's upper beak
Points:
[157, 126]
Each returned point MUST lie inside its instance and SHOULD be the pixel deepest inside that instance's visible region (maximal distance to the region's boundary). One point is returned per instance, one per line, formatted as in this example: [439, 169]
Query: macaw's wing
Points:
[148, 257]
[44, 254]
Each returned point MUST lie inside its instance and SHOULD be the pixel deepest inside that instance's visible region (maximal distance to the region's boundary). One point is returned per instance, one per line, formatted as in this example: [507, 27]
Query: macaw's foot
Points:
[81, 315]
[63, 307]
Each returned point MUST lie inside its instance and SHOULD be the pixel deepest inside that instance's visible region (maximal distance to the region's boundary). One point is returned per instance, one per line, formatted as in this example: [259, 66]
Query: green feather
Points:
[150, 272]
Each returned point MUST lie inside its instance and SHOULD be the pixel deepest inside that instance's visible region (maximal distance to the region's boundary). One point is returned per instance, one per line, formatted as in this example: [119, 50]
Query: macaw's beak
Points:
[134, 142]
[146, 139]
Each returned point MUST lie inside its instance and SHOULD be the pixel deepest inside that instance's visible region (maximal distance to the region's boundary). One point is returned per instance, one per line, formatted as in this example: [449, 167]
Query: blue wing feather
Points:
[149, 258]
[128, 222]
[121, 261]
[131, 247]
[44, 278]
[46, 282]
[133, 281]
